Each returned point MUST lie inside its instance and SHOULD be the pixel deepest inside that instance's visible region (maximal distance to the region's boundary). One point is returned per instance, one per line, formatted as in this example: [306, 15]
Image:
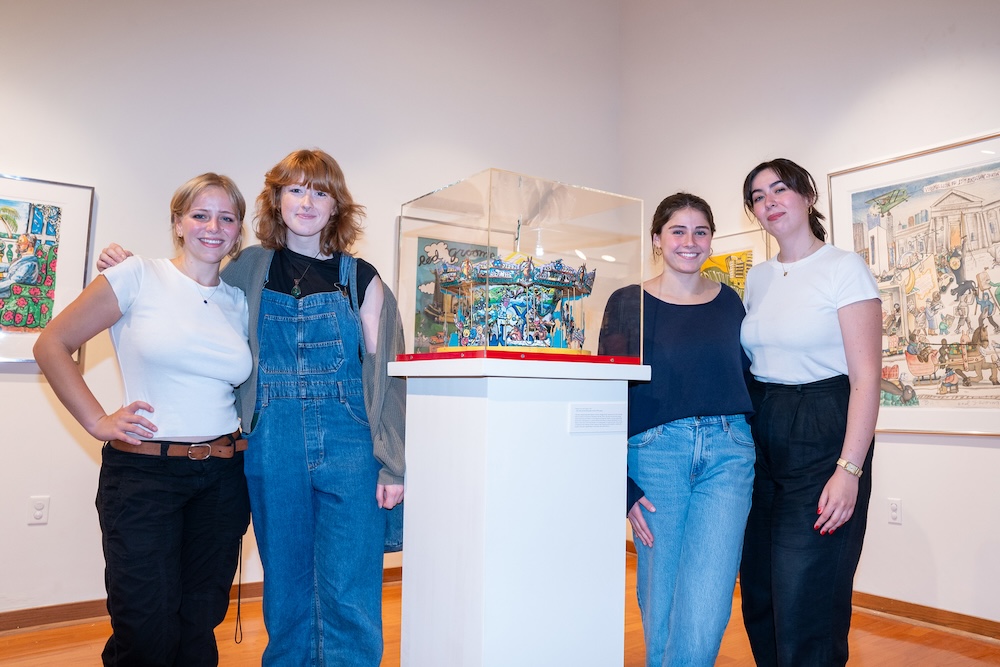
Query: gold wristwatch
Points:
[850, 467]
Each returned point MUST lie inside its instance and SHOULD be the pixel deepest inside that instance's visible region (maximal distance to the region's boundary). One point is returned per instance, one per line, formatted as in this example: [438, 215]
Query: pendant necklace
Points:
[296, 291]
[784, 268]
[206, 299]
[201, 292]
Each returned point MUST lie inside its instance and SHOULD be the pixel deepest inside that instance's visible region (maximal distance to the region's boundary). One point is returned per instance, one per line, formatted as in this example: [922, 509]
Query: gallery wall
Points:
[640, 97]
[713, 87]
[133, 98]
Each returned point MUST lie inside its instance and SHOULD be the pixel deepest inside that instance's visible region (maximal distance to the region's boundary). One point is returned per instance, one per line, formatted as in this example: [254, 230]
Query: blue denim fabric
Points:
[698, 473]
[312, 479]
[171, 530]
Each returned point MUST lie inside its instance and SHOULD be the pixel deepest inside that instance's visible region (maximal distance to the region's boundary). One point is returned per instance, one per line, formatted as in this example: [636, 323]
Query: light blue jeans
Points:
[698, 473]
[311, 475]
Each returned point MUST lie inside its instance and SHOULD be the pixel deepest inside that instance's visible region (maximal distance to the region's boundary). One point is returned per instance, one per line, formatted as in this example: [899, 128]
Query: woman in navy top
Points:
[690, 452]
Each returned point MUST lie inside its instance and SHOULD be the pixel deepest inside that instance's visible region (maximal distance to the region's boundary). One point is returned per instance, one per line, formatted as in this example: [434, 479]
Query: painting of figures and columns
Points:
[932, 241]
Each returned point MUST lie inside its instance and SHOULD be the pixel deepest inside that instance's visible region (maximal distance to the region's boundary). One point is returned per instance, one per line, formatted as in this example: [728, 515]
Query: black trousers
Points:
[796, 584]
[171, 531]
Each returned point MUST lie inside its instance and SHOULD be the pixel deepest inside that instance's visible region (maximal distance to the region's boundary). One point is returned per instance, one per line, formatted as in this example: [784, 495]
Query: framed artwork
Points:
[44, 253]
[928, 226]
[734, 254]
[436, 311]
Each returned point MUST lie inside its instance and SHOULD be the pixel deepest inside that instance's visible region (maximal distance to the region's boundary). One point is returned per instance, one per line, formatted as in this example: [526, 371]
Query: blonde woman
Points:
[172, 496]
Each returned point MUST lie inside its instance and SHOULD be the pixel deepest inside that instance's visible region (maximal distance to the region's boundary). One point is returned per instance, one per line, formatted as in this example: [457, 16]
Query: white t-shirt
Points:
[178, 353]
[791, 332]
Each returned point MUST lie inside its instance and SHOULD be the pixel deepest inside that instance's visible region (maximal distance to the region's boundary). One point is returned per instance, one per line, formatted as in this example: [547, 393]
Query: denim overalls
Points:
[312, 478]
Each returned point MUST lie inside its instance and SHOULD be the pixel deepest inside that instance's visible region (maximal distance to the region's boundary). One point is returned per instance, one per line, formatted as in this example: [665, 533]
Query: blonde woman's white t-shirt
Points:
[178, 353]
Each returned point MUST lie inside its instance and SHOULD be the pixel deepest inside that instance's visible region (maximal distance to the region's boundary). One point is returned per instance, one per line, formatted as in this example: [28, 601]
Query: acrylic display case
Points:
[510, 266]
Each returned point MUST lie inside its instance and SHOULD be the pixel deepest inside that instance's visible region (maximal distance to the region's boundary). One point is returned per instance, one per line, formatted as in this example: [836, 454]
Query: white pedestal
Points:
[514, 536]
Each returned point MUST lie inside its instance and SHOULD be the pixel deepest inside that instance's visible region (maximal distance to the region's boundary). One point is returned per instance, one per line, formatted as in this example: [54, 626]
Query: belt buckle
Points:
[192, 451]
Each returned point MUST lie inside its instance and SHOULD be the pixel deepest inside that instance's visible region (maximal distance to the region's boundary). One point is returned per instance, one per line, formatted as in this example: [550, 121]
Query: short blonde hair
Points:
[182, 200]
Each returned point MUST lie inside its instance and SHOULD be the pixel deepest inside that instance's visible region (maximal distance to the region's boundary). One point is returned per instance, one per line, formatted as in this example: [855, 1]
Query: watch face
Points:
[849, 467]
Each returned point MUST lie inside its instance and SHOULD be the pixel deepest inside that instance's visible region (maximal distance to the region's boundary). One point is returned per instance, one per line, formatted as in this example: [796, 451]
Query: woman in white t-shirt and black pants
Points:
[813, 335]
[172, 496]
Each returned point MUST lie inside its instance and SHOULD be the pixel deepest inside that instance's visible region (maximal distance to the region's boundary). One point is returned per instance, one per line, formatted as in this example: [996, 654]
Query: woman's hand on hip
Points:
[836, 503]
[124, 424]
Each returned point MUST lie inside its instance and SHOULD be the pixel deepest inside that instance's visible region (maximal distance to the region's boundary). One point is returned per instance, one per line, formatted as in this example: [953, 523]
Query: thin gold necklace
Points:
[206, 299]
[809, 251]
[296, 291]
[201, 293]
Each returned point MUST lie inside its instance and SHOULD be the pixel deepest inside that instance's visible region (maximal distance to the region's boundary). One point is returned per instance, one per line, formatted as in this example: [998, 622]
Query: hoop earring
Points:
[657, 251]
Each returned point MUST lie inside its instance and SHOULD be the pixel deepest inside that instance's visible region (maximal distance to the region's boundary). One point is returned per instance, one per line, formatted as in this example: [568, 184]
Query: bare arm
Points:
[92, 312]
[861, 326]
[371, 311]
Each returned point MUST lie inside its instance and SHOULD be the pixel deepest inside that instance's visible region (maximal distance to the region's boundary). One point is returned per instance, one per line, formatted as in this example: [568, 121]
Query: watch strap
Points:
[850, 467]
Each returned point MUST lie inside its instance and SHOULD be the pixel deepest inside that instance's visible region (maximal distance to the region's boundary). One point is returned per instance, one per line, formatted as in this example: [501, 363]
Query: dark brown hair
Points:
[798, 180]
[679, 202]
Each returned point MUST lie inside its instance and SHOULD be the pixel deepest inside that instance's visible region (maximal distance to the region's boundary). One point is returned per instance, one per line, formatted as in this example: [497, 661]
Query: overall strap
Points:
[349, 277]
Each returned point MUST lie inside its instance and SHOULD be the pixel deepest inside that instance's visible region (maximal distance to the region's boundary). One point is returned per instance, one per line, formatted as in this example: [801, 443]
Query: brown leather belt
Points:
[223, 447]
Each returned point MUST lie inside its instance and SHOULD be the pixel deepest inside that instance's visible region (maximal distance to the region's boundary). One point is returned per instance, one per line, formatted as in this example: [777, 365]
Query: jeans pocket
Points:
[354, 402]
[357, 415]
[739, 432]
[643, 439]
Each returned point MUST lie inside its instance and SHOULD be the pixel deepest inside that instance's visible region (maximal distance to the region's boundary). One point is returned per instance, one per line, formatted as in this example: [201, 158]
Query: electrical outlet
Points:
[38, 510]
[896, 511]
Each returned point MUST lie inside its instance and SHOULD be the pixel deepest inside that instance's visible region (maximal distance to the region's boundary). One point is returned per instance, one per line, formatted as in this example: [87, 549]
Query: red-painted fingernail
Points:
[819, 510]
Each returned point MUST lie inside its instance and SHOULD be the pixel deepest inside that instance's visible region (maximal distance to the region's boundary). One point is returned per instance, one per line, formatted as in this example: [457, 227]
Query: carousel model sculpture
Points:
[515, 303]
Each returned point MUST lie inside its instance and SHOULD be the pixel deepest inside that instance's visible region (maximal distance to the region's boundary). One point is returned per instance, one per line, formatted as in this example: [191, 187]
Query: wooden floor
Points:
[876, 640]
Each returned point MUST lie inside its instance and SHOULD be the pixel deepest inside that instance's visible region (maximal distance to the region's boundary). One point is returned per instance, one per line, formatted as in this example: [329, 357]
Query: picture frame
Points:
[435, 309]
[45, 232]
[734, 254]
[928, 226]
